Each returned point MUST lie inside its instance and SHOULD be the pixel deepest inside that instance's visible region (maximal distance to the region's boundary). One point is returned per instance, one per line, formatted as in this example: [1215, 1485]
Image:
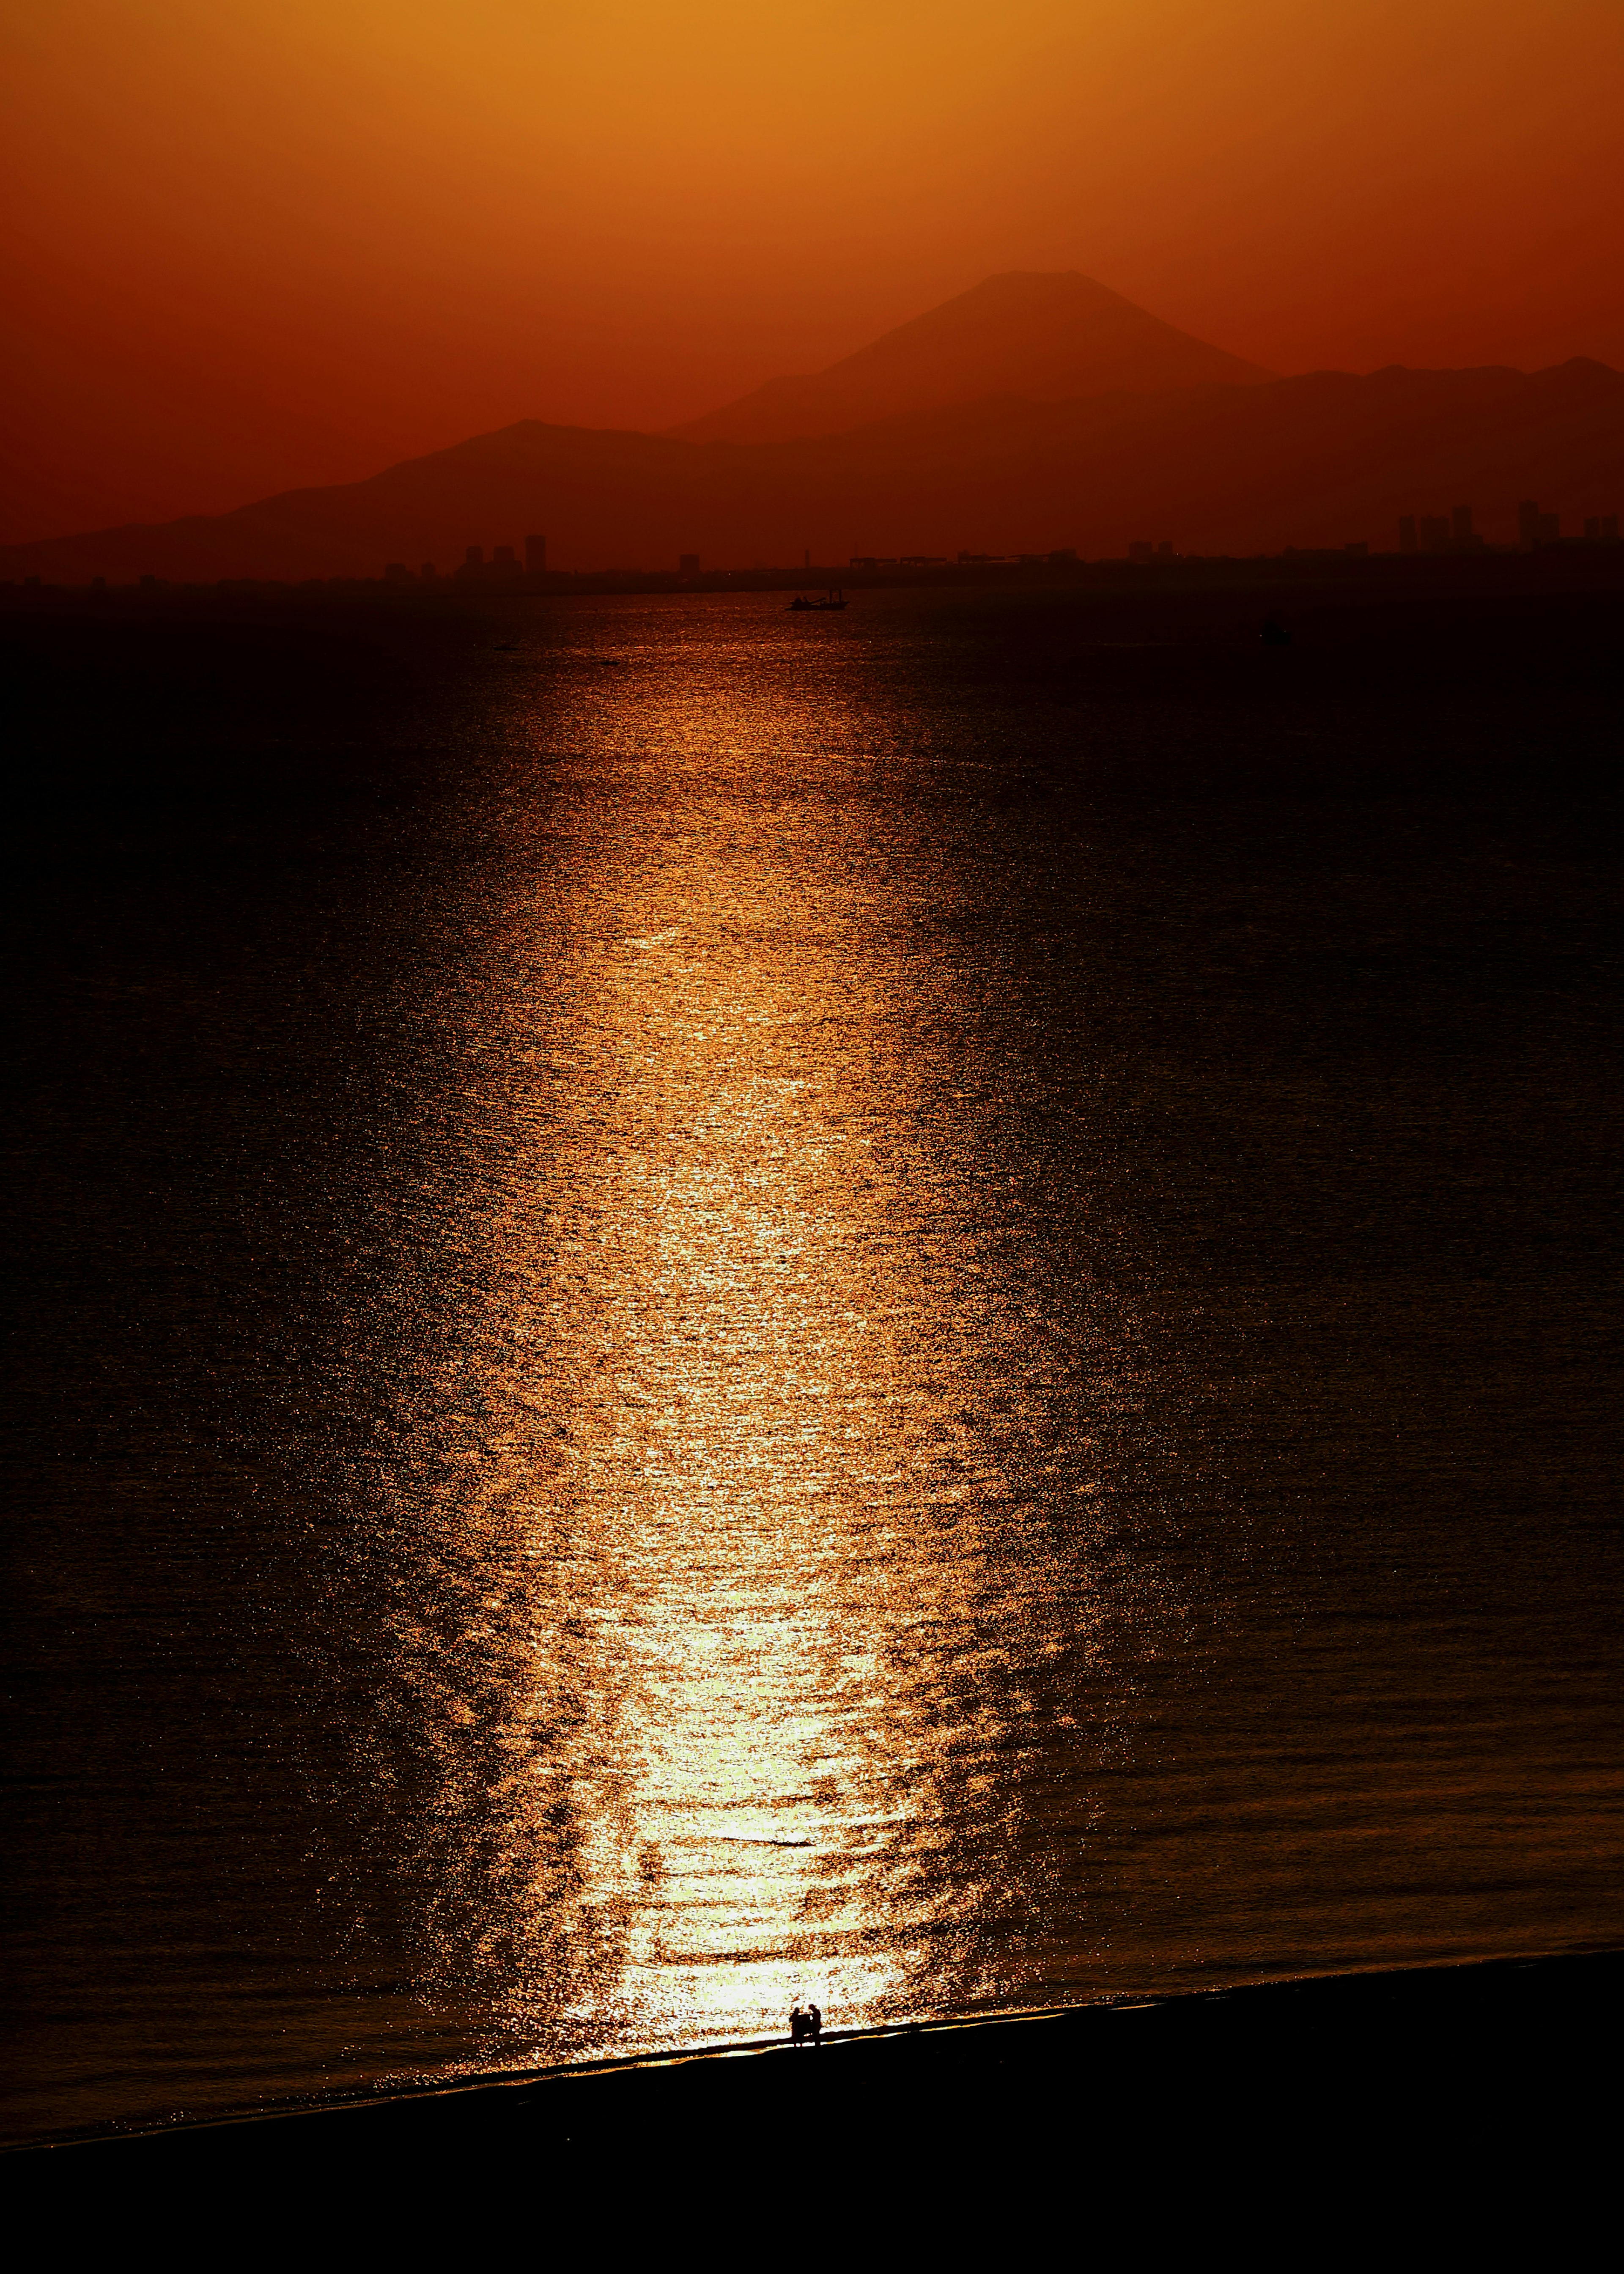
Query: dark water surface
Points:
[916, 1308]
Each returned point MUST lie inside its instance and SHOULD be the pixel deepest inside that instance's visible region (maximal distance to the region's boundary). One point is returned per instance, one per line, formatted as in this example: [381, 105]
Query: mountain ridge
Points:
[1323, 458]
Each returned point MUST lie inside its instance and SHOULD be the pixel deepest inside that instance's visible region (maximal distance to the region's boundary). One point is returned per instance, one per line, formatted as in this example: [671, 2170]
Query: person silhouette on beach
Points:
[797, 2023]
[815, 2024]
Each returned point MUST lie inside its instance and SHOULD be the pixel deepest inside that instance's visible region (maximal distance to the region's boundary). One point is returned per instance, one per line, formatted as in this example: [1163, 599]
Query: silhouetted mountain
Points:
[1046, 338]
[1316, 460]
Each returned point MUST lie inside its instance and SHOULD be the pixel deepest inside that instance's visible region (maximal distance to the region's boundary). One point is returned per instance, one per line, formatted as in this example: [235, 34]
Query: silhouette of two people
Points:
[806, 2025]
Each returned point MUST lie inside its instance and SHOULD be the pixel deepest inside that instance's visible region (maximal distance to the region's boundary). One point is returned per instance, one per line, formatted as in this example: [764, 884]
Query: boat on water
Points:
[802, 606]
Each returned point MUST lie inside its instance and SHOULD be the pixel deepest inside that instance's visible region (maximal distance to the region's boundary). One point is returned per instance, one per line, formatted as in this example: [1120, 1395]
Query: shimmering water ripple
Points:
[828, 1390]
[758, 1550]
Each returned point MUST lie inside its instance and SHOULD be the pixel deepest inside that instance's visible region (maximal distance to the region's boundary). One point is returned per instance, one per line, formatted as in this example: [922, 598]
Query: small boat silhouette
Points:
[802, 606]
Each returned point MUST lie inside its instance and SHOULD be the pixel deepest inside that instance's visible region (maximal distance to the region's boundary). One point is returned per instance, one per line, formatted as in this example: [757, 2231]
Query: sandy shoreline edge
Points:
[1457, 2013]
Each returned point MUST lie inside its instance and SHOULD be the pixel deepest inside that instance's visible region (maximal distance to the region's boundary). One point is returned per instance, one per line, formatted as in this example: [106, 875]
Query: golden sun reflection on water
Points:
[739, 1428]
[802, 1318]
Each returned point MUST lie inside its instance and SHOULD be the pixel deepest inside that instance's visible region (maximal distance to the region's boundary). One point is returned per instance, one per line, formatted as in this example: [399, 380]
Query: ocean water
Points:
[917, 1308]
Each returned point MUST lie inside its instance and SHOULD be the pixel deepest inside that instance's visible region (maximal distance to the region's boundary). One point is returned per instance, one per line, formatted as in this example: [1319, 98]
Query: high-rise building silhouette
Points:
[1609, 529]
[1434, 532]
[535, 555]
[1408, 541]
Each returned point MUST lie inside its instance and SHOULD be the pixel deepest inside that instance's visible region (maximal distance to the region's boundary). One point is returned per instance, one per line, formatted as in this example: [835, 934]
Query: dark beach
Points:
[1445, 2106]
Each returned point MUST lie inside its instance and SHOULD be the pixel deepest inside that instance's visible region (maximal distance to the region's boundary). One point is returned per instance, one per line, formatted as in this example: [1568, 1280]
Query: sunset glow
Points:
[263, 245]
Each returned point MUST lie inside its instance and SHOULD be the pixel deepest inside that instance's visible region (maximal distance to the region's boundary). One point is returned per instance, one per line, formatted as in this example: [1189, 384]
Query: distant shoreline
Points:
[1577, 564]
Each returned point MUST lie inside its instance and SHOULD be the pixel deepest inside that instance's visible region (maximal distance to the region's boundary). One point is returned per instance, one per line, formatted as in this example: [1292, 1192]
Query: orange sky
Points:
[256, 243]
